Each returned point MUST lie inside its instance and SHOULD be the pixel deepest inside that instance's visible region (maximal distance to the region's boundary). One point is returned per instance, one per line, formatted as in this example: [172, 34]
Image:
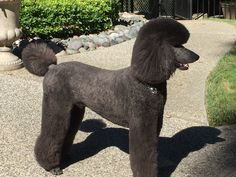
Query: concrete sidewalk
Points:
[188, 147]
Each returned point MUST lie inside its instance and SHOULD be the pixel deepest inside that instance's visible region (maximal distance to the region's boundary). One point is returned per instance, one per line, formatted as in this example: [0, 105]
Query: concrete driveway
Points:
[188, 147]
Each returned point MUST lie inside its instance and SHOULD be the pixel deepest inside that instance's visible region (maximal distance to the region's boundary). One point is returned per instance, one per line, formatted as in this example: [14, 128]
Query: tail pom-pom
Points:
[37, 57]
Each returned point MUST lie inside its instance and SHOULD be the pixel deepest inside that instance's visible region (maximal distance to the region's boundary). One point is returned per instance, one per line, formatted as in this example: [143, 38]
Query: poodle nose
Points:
[193, 55]
[184, 55]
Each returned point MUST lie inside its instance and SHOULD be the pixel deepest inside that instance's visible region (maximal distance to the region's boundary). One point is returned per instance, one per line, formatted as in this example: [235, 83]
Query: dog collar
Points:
[153, 90]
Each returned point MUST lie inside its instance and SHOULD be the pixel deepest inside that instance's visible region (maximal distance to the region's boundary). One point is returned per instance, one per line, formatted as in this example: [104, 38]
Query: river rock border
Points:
[119, 34]
[127, 28]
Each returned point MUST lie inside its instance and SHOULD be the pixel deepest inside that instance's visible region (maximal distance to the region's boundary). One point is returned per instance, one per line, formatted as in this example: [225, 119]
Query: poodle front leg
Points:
[54, 127]
[143, 142]
[77, 114]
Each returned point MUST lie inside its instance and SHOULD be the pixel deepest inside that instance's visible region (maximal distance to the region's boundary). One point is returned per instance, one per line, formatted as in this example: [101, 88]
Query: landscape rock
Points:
[74, 44]
[86, 45]
[113, 36]
[56, 40]
[75, 37]
[126, 35]
[119, 28]
[101, 40]
[133, 31]
[103, 34]
[71, 51]
[91, 46]
[108, 32]
[130, 18]
[119, 40]
[105, 42]
[85, 38]
[82, 50]
[65, 42]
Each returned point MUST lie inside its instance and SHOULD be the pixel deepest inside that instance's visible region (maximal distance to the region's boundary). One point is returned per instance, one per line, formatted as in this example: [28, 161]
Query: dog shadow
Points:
[171, 150]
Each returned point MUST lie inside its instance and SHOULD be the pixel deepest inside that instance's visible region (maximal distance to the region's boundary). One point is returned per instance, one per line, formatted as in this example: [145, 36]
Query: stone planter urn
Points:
[9, 32]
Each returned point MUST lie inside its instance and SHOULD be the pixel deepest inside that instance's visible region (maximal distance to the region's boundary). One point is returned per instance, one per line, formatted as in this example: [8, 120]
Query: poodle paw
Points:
[56, 171]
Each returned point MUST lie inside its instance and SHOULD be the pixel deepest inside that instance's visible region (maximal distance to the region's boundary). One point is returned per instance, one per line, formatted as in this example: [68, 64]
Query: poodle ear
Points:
[152, 64]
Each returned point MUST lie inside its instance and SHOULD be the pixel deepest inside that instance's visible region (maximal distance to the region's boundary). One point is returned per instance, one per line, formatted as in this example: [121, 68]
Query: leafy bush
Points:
[63, 18]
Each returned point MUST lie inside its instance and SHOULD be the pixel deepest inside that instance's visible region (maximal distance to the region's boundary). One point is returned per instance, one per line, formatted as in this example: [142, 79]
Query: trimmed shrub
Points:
[64, 18]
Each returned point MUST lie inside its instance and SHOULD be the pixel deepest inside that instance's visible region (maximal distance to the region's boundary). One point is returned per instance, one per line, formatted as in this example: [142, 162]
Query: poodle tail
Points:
[37, 57]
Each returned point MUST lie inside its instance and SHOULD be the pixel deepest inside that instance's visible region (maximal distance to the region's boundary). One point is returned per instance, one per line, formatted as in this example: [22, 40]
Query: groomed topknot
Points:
[166, 29]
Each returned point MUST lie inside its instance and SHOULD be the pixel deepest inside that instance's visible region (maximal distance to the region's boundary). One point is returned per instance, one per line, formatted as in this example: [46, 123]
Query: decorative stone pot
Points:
[229, 9]
[9, 32]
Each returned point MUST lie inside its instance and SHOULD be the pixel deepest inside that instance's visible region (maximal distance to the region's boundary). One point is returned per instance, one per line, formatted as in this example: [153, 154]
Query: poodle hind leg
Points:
[54, 127]
[77, 114]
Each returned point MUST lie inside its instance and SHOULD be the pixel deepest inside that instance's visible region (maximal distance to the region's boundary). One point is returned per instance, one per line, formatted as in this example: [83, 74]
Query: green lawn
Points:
[221, 89]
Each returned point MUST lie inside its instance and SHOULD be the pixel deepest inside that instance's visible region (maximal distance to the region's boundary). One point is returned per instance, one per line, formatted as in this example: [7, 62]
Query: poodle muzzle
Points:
[184, 56]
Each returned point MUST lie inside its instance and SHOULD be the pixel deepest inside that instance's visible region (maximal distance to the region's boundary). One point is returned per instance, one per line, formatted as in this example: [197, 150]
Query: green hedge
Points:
[63, 18]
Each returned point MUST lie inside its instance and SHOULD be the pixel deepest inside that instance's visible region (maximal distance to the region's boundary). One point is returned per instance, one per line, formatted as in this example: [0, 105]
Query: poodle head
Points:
[158, 50]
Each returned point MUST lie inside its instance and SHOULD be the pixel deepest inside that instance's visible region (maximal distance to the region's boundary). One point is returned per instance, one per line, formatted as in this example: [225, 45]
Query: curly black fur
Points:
[37, 58]
[133, 97]
[154, 41]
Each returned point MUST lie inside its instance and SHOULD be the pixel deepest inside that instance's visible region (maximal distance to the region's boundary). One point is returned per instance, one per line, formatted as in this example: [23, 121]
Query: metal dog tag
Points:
[153, 90]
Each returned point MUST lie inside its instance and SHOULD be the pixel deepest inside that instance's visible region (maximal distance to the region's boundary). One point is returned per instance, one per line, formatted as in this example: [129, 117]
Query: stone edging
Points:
[128, 27]
[126, 30]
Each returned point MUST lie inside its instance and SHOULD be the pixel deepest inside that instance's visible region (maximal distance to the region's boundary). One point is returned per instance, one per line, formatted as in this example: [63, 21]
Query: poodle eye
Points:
[178, 46]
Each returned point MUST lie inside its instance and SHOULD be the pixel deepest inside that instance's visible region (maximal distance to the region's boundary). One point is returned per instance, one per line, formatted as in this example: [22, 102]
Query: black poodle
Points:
[133, 97]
